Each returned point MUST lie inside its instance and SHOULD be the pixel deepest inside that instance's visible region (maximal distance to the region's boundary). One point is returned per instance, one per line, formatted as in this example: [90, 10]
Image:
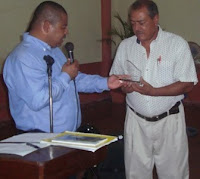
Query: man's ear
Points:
[156, 19]
[46, 26]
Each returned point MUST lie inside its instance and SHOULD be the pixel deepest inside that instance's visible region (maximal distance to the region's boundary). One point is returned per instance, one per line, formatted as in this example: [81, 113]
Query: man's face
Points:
[57, 32]
[143, 26]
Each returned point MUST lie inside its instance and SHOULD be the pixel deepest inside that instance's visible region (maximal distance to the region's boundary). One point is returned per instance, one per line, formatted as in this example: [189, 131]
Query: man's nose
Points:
[66, 31]
[136, 27]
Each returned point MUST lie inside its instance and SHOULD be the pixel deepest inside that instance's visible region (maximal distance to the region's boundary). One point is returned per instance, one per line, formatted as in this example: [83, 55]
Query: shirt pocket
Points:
[165, 72]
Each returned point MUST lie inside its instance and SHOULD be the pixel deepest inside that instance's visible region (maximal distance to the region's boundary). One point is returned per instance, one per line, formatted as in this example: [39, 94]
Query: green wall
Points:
[84, 26]
[178, 16]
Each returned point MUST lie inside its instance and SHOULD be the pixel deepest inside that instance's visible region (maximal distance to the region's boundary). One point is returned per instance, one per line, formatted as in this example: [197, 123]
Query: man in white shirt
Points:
[155, 131]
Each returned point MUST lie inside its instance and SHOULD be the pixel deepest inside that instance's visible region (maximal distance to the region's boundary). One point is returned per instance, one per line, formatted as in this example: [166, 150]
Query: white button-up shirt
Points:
[169, 61]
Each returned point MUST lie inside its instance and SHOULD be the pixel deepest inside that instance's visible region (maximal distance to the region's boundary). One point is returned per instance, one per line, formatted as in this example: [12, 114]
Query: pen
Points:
[32, 145]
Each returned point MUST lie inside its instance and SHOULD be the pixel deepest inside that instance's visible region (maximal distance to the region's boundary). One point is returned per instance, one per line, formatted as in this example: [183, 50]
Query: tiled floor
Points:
[112, 123]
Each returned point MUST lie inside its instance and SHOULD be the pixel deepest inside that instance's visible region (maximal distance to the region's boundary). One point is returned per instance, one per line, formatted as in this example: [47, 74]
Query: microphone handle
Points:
[71, 56]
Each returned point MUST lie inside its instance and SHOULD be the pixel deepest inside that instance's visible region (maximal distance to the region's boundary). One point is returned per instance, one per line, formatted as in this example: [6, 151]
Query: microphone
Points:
[49, 60]
[70, 47]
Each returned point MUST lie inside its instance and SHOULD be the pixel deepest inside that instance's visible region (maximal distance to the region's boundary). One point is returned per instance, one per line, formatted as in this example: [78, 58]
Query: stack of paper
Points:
[23, 144]
[79, 140]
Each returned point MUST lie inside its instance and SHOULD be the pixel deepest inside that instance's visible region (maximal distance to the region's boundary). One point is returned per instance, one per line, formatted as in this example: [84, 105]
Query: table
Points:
[52, 162]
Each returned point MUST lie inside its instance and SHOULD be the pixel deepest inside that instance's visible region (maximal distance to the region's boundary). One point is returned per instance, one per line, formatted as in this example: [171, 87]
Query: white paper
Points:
[29, 137]
[22, 148]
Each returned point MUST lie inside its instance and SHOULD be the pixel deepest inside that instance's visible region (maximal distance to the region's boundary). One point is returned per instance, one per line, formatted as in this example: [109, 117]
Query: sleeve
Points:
[91, 83]
[118, 63]
[185, 70]
[28, 80]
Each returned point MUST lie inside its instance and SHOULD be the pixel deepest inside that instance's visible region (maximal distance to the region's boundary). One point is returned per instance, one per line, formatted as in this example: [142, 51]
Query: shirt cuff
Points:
[103, 84]
[65, 79]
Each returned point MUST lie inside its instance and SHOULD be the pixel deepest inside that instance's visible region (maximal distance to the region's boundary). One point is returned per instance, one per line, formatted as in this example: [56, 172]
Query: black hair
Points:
[47, 10]
[150, 5]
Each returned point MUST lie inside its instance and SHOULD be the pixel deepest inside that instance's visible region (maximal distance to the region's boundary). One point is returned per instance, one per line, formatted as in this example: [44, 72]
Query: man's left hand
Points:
[143, 88]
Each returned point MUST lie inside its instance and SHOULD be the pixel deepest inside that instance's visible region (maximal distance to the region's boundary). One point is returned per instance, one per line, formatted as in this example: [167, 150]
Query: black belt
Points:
[173, 110]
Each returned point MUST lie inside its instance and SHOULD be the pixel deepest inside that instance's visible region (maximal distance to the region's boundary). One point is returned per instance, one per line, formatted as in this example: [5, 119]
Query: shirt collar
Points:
[158, 35]
[30, 38]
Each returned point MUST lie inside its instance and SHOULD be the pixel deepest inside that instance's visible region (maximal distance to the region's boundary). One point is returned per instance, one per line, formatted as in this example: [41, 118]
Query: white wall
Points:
[84, 26]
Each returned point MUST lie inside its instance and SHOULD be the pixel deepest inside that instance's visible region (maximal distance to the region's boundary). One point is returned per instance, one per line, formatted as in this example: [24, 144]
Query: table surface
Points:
[52, 162]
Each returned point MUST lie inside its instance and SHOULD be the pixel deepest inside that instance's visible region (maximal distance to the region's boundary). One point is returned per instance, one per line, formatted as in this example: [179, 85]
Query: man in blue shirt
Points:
[25, 74]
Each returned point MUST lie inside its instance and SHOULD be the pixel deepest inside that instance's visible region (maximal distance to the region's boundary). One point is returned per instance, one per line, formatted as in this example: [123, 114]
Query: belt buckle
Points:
[153, 119]
[157, 118]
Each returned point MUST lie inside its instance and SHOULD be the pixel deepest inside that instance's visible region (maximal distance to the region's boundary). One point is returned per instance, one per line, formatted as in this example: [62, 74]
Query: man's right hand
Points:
[71, 69]
[129, 87]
